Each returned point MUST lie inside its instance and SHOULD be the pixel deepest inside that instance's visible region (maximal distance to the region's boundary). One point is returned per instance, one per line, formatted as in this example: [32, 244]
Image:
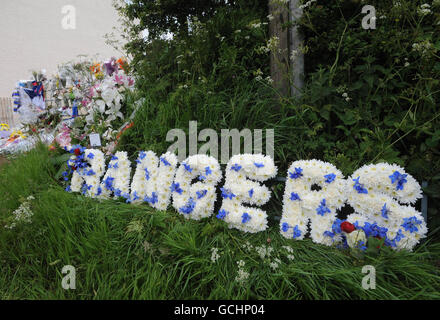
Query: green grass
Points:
[122, 251]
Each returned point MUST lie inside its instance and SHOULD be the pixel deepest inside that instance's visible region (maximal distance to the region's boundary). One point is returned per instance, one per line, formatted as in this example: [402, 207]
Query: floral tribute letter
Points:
[375, 192]
[87, 167]
[239, 189]
[314, 191]
[196, 201]
[153, 179]
[117, 178]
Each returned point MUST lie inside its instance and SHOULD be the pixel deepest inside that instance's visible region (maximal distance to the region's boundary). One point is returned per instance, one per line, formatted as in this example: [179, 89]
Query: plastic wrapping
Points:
[20, 145]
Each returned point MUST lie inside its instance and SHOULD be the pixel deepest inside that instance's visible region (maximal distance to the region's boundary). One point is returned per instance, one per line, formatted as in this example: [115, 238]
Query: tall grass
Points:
[123, 251]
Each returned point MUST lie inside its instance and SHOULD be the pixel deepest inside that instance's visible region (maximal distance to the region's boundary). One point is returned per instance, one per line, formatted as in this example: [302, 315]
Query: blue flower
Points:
[84, 188]
[165, 162]
[236, 167]
[322, 209]
[114, 158]
[336, 227]
[175, 187]
[222, 214]
[258, 165]
[91, 173]
[251, 193]
[91, 156]
[226, 193]
[208, 171]
[116, 166]
[294, 196]
[118, 192]
[359, 187]
[410, 224]
[98, 193]
[399, 236]
[329, 234]
[189, 207]
[142, 156]
[399, 178]
[153, 199]
[285, 227]
[109, 183]
[296, 232]
[245, 218]
[135, 196]
[385, 211]
[373, 230]
[68, 189]
[147, 174]
[201, 194]
[187, 167]
[297, 174]
[361, 245]
[127, 197]
[202, 178]
[329, 178]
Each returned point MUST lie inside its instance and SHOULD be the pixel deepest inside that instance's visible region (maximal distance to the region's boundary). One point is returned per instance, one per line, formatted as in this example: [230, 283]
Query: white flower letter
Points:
[196, 201]
[239, 189]
[301, 203]
[153, 179]
[117, 178]
[382, 195]
[89, 167]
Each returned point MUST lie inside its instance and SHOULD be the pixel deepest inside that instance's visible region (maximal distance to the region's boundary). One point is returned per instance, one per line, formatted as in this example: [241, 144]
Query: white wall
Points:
[32, 36]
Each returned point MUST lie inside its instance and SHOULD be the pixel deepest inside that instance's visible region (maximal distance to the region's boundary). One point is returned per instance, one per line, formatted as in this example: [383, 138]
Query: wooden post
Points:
[296, 42]
[279, 59]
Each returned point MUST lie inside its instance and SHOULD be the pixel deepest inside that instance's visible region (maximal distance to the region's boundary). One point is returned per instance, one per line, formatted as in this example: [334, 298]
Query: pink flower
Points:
[63, 138]
[85, 102]
[92, 92]
[119, 80]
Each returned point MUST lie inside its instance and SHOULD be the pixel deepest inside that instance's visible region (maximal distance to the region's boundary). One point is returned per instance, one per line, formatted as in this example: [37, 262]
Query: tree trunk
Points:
[279, 59]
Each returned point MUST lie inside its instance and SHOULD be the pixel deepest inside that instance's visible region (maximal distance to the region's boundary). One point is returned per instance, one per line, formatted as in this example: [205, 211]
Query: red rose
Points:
[347, 227]
[77, 152]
